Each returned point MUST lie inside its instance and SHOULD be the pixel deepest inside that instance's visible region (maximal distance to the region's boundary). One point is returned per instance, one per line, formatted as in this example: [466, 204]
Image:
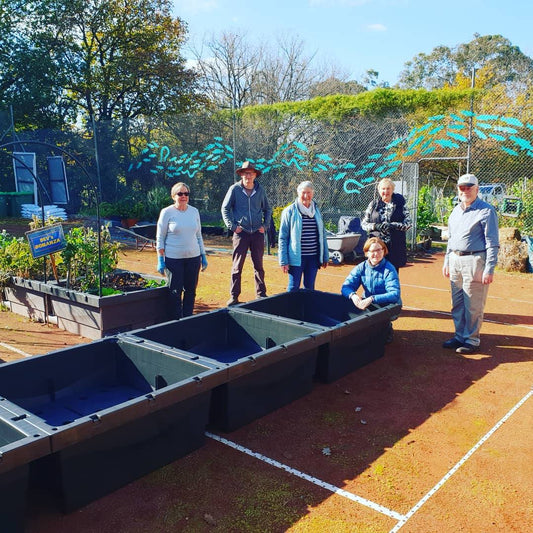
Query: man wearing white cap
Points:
[471, 256]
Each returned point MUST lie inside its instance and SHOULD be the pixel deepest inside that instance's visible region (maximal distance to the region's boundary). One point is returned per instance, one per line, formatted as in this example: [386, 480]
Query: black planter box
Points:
[270, 361]
[114, 410]
[356, 337]
[86, 314]
[20, 444]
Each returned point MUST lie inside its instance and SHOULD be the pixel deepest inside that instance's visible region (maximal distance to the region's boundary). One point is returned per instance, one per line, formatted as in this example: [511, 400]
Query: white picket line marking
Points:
[332, 488]
[458, 465]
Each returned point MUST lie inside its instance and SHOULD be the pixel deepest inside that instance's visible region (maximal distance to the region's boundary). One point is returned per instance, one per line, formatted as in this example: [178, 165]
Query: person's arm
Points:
[200, 240]
[406, 224]
[161, 236]
[366, 223]
[324, 260]
[267, 212]
[392, 288]
[283, 239]
[492, 245]
[352, 282]
[227, 209]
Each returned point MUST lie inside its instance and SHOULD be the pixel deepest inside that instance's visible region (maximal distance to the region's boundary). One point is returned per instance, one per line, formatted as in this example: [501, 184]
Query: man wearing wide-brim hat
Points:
[247, 213]
[471, 256]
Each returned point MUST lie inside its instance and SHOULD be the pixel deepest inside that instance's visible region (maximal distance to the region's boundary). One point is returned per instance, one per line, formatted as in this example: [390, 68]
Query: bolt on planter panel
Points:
[270, 361]
[357, 337]
[27, 300]
[115, 410]
[20, 444]
[86, 314]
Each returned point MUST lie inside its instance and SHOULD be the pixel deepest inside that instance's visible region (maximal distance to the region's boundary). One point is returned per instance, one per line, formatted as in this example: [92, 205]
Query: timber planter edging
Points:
[87, 314]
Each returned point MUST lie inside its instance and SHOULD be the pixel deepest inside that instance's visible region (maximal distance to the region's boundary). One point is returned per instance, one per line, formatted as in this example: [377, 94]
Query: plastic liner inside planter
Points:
[270, 361]
[20, 444]
[115, 411]
[357, 337]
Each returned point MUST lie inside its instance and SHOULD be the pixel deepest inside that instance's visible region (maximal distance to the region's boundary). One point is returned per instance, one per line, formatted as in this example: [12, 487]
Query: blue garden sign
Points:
[48, 240]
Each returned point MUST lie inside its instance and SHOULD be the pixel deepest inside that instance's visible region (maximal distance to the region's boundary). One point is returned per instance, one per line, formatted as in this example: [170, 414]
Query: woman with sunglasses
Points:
[180, 249]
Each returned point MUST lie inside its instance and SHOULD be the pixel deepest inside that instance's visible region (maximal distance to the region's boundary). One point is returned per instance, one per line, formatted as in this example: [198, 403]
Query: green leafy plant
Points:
[156, 199]
[523, 190]
[80, 257]
[426, 214]
[16, 259]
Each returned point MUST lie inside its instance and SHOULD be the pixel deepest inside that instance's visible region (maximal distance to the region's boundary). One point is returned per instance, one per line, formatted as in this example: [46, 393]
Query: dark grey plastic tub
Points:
[20, 444]
[357, 337]
[114, 410]
[270, 361]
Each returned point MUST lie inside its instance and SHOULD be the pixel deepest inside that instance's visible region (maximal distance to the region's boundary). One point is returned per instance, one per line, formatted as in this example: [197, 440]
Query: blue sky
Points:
[358, 35]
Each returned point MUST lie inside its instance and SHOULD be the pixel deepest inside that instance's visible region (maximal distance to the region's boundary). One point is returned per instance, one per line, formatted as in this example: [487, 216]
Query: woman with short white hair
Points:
[302, 243]
[388, 218]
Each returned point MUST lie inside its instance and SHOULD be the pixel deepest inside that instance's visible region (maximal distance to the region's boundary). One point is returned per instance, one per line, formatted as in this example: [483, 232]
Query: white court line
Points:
[458, 465]
[446, 313]
[13, 349]
[367, 503]
[489, 296]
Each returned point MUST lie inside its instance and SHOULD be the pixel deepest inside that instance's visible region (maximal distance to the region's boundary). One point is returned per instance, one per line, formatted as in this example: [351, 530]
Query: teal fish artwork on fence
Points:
[449, 132]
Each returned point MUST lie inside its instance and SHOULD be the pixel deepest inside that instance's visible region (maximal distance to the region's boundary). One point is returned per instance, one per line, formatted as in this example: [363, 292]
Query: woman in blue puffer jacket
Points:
[377, 276]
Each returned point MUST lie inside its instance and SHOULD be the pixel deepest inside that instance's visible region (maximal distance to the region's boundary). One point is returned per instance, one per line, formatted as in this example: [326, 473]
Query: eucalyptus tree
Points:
[440, 68]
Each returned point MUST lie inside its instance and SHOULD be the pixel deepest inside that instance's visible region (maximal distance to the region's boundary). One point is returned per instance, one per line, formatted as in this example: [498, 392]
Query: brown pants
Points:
[242, 242]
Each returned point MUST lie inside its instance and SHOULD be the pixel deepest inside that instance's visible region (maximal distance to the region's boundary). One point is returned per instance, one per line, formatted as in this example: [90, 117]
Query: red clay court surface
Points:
[421, 440]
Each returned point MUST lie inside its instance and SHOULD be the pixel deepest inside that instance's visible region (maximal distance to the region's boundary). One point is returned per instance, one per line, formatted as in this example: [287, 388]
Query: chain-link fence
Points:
[130, 166]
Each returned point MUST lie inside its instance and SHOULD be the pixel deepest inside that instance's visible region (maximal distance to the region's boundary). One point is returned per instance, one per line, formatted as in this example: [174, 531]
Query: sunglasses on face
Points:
[465, 187]
[182, 193]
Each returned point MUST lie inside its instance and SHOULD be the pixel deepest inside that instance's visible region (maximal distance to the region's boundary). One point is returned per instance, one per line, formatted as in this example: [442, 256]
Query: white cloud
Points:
[194, 6]
[377, 27]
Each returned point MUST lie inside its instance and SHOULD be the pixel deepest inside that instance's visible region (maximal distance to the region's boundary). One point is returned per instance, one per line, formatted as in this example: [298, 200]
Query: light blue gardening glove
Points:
[161, 264]
[204, 262]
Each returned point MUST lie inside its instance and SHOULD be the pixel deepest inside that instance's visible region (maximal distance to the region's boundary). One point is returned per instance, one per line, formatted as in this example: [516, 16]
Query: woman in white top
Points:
[180, 249]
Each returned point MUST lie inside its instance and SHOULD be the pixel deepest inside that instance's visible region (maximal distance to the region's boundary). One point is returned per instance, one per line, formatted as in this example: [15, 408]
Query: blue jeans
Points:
[308, 270]
[183, 279]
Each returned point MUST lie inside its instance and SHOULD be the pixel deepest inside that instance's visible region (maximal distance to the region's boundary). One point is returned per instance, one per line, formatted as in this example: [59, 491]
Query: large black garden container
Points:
[20, 444]
[356, 337]
[270, 361]
[115, 410]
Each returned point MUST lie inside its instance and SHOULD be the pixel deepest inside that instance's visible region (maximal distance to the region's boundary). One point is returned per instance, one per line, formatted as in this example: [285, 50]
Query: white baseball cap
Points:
[467, 179]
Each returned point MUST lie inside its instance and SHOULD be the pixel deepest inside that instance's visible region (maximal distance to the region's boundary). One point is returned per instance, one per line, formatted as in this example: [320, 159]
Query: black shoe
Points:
[467, 348]
[232, 301]
[452, 344]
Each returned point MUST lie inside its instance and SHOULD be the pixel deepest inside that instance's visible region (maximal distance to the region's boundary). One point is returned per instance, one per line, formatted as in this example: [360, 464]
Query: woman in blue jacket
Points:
[302, 243]
[377, 276]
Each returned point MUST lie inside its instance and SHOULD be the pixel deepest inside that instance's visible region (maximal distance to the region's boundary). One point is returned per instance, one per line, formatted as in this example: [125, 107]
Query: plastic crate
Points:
[20, 444]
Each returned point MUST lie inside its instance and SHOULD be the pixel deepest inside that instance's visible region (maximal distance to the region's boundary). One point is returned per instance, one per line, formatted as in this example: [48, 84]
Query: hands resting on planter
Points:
[161, 263]
[361, 303]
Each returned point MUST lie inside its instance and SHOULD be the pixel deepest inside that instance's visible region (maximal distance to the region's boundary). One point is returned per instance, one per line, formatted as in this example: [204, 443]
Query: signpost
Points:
[47, 241]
